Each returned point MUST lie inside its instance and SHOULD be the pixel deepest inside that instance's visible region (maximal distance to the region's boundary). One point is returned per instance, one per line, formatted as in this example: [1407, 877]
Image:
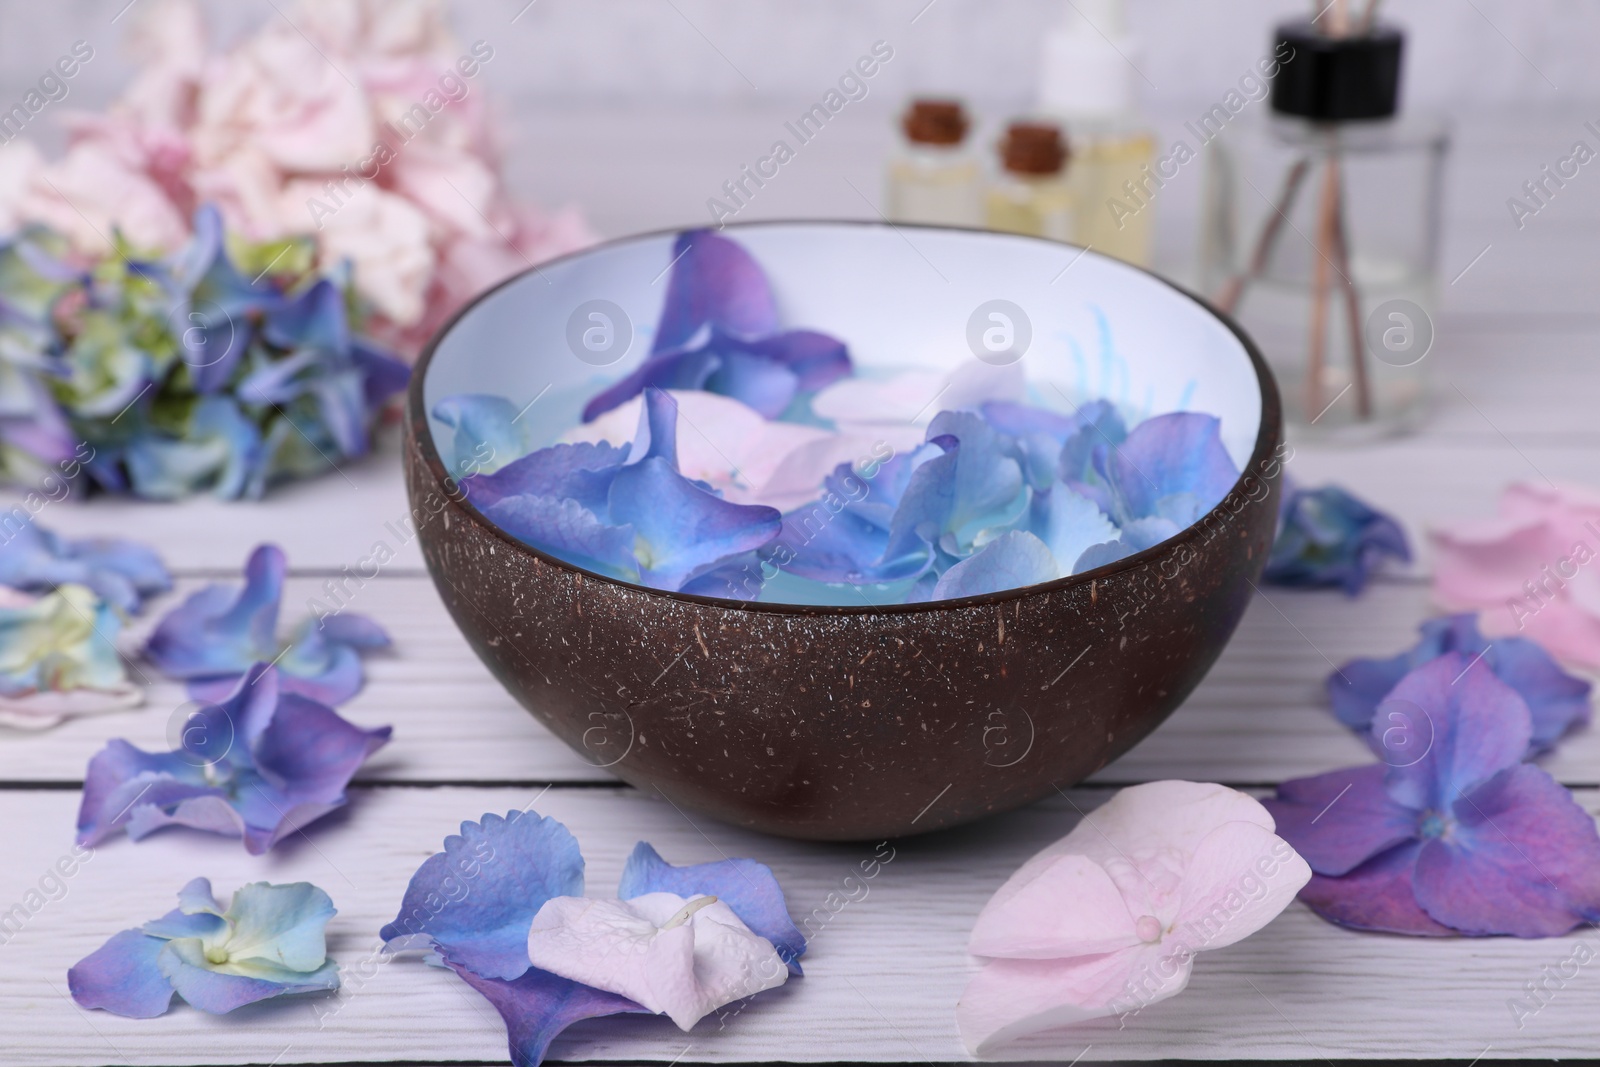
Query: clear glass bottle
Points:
[1086, 81]
[1030, 194]
[1320, 234]
[935, 178]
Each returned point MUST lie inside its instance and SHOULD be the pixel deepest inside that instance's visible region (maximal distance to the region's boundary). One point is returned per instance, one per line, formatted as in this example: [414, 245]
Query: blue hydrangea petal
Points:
[476, 900]
[1339, 820]
[219, 302]
[714, 282]
[566, 529]
[219, 631]
[1140, 534]
[121, 777]
[1099, 427]
[1102, 554]
[485, 433]
[382, 375]
[762, 384]
[1379, 895]
[537, 1006]
[1328, 538]
[1180, 452]
[218, 992]
[1356, 688]
[122, 573]
[748, 887]
[323, 661]
[816, 360]
[954, 498]
[177, 923]
[221, 450]
[1011, 561]
[197, 898]
[280, 924]
[314, 319]
[1478, 725]
[1557, 700]
[679, 528]
[581, 472]
[685, 367]
[122, 977]
[1069, 524]
[1523, 859]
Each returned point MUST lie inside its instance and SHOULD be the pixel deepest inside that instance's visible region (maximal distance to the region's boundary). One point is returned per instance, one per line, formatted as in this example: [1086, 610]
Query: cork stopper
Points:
[1033, 148]
[929, 121]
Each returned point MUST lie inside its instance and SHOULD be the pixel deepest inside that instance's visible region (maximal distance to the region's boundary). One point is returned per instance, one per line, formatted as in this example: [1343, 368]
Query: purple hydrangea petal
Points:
[218, 631]
[476, 900]
[1011, 561]
[565, 528]
[382, 375]
[310, 753]
[714, 282]
[220, 303]
[952, 499]
[1477, 725]
[579, 471]
[762, 384]
[185, 966]
[817, 360]
[828, 543]
[121, 976]
[1517, 856]
[679, 528]
[537, 1005]
[1341, 819]
[1378, 895]
[121, 779]
[1328, 538]
[1180, 452]
[748, 887]
[1556, 700]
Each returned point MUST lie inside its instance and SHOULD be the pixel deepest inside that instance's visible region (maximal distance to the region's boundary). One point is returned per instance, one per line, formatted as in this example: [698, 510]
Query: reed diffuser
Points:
[1322, 227]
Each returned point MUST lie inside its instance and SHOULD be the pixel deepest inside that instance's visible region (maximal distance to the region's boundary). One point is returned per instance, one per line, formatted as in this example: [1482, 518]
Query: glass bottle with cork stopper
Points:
[935, 178]
[1030, 194]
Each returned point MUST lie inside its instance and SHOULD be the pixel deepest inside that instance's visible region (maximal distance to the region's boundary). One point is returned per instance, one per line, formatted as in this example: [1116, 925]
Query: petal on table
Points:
[538, 1005]
[1557, 700]
[477, 898]
[1011, 561]
[1379, 895]
[1239, 879]
[1065, 908]
[222, 631]
[1477, 724]
[198, 982]
[1339, 820]
[1009, 999]
[122, 778]
[748, 887]
[281, 924]
[310, 752]
[1524, 859]
[121, 976]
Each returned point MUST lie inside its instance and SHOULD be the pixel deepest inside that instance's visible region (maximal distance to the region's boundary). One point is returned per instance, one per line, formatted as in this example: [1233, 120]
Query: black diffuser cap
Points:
[1332, 79]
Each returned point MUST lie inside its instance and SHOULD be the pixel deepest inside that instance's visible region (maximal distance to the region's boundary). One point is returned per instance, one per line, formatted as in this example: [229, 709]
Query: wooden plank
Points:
[882, 977]
[1259, 717]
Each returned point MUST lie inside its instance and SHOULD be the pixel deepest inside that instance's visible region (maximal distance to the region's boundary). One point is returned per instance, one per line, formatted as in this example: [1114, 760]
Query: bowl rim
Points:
[1268, 431]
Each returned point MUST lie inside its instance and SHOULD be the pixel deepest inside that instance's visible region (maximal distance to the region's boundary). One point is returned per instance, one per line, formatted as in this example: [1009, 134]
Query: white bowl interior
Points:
[899, 297]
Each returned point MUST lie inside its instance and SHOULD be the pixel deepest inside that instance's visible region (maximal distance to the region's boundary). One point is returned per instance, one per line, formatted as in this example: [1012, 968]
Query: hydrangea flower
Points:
[270, 942]
[1107, 920]
[626, 513]
[1557, 701]
[122, 573]
[502, 906]
[1529, 571]
[1328, 538]
[719, 332]
[185, 373]
[216, 634]
[1464, 839]
[58, 660]
[260, 765]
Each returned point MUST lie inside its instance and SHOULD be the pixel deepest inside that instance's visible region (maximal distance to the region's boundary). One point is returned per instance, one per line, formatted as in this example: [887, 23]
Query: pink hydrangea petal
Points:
[1523, 859]
[1379, 895]
[1240, 879]
[1012, 998]
[1068, 907]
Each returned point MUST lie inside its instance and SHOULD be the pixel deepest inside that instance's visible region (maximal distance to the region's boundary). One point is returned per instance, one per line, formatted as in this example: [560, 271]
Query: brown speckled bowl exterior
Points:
[850, 723]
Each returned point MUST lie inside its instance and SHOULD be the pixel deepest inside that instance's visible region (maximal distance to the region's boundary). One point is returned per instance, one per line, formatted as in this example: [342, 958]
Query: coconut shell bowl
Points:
[862, 721]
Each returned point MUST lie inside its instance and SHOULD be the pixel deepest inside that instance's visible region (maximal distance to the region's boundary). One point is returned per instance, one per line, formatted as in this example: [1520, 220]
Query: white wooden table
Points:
[1518, 384]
